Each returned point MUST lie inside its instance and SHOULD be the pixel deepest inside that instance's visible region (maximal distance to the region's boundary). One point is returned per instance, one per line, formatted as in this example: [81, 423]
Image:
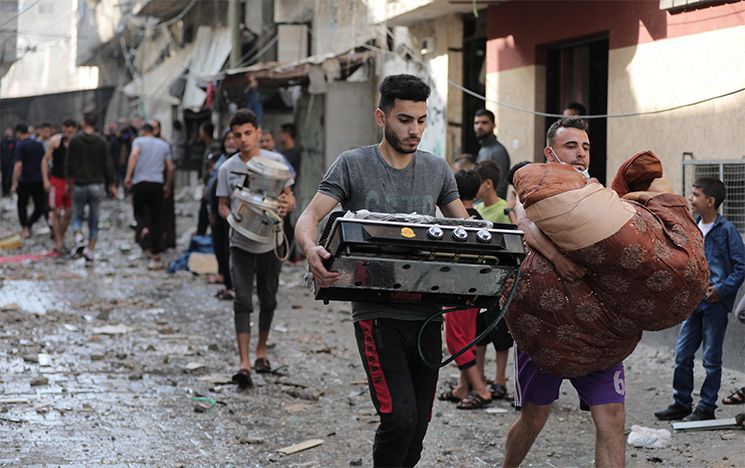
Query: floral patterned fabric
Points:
[650, 275]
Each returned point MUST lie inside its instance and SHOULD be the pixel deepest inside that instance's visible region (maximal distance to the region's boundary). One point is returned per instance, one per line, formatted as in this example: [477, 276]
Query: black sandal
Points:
[243, 378]
[474, 402]
[449, 396]
[262, 366]
[225, 295]
[735, 398]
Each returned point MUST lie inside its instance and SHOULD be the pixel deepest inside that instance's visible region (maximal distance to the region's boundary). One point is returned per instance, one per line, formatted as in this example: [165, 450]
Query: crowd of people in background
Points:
[66, 174]
[64, 171]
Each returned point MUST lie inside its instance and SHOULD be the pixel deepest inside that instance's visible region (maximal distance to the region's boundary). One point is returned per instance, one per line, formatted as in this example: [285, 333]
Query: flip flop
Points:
[474, 402]
[498, 391]
[243, 378]
[262, 366]
[449, 396]
[735, 398]
[225, 295]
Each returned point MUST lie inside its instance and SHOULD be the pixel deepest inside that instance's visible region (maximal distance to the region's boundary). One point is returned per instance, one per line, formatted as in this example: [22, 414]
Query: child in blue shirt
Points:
[725, 254]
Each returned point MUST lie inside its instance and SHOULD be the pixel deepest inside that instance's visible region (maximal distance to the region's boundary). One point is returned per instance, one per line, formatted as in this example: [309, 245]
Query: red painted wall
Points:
[519, 28]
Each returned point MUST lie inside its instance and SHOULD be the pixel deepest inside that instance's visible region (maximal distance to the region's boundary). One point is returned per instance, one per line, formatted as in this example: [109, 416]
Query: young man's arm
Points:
[131, 163]
[223, 206]
[17, 168]
[734, 280]
[305, 235]
[53, 145]
[169, 178]
[455, 209]
[536, 239]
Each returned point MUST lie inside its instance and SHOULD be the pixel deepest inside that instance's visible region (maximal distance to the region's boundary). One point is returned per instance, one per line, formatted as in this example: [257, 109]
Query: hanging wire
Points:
[20, 13]
[546, 114]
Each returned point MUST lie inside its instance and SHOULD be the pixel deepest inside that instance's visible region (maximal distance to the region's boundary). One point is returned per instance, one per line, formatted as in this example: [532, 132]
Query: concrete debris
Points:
[308, 444]
[111, 330]
[38, 381]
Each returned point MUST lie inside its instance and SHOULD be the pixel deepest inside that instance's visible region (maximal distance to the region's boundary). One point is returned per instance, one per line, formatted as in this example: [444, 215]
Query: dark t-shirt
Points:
[360, 179]
[30, 153]
[491, 149]
[58, 159]
[293, 156]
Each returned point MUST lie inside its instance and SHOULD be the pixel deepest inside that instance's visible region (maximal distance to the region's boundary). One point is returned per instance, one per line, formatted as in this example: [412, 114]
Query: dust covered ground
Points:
[116, 364]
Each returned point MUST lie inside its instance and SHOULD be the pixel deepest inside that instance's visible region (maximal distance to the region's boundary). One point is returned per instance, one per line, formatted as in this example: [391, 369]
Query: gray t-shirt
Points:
[227, 181]
[361, 179]
[151, 162]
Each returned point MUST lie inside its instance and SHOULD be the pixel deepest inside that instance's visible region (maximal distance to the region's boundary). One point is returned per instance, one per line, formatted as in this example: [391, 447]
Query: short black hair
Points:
[69, 123]
[712, 188]
[576, 106]
[207, 128]
[484, 112]
[468, 183]
[44, 125]
[21, 128]
[515, 168]
[565, 122]
[289, 129]
[403, 87]
[147, 128]
[89, 118]
[489, 170]
[243, 116]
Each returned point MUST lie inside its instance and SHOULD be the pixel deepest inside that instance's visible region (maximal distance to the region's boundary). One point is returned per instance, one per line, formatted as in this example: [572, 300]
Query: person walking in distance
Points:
[53, 172]
[27, 178]
[88, 170]
[7, 155]
[149, 173]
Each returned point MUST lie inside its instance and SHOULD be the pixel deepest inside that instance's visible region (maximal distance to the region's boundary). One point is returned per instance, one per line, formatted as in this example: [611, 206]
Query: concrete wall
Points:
[671, 72]
[349, 118]
[520, 132]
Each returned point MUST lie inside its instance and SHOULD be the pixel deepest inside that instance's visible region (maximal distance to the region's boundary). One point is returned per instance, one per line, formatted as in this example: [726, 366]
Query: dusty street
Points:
[119, 365]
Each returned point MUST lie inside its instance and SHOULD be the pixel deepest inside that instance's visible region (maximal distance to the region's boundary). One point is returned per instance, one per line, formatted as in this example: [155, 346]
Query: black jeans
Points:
[402, 387]
[149, 195]
[27, 191]
[221, 244]
[243, 267]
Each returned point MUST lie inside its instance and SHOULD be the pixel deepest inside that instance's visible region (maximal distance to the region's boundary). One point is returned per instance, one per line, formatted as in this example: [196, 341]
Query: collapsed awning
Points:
[212, 47]
[154, 84]
[274, 74]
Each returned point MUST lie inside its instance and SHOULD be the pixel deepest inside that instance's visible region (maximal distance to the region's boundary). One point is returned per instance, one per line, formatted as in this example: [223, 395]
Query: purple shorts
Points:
[532, 385]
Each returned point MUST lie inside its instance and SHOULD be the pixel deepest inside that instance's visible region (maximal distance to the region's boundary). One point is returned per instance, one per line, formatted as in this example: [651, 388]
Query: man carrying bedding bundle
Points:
[601, 392]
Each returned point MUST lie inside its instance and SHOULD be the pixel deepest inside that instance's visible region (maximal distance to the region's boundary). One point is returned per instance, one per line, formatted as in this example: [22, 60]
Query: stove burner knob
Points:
[460, 234]
[483, 235]
[435, 232]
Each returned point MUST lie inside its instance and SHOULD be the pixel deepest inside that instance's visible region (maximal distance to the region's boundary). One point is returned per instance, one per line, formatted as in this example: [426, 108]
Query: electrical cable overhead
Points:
[515, 108]
[20, 13]
[180, 15]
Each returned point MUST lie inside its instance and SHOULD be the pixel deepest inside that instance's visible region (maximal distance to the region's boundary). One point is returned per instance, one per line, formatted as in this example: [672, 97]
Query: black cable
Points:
[483, 334]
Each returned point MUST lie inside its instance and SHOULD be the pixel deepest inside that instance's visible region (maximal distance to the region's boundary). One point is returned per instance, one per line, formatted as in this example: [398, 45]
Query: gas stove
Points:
[419, 259]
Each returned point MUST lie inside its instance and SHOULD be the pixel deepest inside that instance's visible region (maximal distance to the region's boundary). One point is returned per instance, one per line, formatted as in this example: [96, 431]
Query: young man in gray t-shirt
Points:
[249, 259]
[390, 177]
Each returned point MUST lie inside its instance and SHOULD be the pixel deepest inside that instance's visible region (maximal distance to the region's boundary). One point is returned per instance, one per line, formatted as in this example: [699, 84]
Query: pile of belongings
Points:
[642, 252]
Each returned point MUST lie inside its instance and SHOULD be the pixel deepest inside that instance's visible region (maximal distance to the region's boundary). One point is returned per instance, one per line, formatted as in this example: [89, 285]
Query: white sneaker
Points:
[88, 256]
